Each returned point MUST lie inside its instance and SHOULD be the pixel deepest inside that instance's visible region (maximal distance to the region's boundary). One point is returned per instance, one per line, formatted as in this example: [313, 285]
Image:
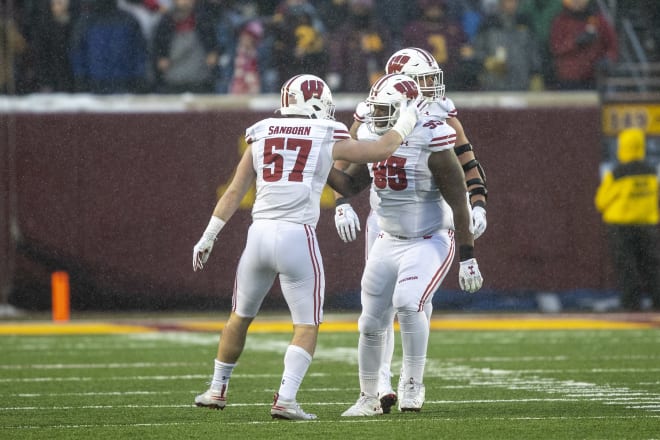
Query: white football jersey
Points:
[443, 108]
[292, 158]
[403, 192]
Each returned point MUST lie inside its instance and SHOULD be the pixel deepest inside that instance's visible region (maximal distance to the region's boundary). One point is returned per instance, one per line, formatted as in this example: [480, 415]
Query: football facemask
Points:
[385, 100]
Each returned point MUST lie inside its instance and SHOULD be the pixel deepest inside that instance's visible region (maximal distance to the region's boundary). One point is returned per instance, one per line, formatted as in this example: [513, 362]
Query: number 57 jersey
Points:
[292, 158]
[404, 195]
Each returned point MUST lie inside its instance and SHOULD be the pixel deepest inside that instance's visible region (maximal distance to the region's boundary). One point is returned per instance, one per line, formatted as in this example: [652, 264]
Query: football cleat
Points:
[289, 410]
[387, 401]
[213, 399]
[400, 384]
[365, 406]
[412, 397]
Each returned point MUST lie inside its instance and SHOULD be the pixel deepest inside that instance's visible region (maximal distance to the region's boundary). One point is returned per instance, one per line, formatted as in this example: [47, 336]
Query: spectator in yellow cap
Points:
[627, 198]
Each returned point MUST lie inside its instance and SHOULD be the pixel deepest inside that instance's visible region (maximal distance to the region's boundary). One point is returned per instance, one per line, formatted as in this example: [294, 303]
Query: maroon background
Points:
[120, 199]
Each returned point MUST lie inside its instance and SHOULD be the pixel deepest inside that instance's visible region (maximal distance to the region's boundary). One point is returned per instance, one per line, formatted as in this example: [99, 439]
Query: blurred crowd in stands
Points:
[250, 47]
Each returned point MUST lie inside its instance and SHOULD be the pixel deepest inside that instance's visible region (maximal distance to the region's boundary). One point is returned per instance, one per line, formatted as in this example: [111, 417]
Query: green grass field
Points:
[480, 384]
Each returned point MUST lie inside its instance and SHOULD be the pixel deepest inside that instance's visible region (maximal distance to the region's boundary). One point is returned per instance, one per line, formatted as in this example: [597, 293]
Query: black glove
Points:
[585, 38]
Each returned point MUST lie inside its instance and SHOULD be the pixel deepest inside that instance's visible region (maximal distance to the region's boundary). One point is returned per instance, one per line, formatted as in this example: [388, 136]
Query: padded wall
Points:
[120, 199]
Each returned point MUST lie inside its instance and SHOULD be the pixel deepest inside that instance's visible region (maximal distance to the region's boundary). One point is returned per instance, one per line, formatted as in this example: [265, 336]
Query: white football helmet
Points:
[420, 65]
[307, 95]
[385, 100]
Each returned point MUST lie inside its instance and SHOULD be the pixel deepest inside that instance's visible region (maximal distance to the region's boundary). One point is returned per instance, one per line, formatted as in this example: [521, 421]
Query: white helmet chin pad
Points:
[307, 95]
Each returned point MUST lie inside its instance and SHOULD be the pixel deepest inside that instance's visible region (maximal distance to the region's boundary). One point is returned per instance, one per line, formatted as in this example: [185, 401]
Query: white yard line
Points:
[451, 370]
[353, 420]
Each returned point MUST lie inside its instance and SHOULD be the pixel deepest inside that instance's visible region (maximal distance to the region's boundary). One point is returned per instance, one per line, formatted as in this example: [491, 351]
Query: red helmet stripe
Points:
[378, 84]
[425, 54]
[285, 91]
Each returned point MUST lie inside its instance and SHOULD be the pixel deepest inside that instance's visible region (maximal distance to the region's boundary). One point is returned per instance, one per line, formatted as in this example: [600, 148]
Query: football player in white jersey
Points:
[419, 197]
[289, 158]
[420, 65]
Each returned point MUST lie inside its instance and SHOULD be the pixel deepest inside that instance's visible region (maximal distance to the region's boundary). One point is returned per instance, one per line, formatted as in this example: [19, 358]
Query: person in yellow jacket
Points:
[627, 198]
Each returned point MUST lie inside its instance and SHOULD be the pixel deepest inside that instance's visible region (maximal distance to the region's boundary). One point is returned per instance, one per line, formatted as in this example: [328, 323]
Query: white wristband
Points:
[406, 123]
[214, 227]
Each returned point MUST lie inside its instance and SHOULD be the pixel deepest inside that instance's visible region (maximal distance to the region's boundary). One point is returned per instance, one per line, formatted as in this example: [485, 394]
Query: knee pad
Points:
[404, 303]
[371, 324]
[407, 315]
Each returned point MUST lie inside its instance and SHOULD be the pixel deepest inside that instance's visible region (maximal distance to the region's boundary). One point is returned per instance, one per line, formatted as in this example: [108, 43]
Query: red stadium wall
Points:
[119, 200]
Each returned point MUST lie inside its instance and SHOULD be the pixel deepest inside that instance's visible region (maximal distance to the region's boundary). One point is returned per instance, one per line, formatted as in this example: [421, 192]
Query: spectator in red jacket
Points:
[582, 43]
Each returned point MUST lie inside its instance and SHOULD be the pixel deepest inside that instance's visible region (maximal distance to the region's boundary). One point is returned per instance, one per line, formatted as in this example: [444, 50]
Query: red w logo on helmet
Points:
[396, 63]
[312, 89]
[407, 88]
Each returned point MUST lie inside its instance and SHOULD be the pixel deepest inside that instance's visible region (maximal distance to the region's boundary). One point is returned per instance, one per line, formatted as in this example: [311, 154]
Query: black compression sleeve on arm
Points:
[465, 252]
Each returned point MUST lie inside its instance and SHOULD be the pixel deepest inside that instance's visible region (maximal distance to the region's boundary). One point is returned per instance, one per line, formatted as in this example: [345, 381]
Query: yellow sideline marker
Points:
[536, 324]
[526, 323]
[341, 325]
[71, 328]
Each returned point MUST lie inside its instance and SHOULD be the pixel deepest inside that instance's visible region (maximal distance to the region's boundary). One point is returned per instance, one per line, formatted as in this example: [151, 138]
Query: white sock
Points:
[414, 340]
[370, 352]
[221, 376]
[385, 373]
[296, 363]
